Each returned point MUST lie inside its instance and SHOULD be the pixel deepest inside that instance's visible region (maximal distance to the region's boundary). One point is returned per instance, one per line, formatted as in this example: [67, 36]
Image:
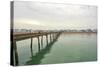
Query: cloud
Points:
[57, 15]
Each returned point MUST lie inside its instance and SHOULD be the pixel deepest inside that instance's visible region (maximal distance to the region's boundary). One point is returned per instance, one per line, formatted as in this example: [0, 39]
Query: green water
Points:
[69, 47]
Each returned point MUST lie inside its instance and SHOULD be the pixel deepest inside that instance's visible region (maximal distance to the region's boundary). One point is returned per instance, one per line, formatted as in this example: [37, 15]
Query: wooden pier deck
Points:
[22, 36]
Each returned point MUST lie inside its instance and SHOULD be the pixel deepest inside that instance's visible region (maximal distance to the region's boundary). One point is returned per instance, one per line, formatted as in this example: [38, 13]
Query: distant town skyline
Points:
[49, 16]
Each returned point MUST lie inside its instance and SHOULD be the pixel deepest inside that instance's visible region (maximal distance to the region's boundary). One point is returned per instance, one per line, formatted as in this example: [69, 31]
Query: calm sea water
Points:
[69, 47]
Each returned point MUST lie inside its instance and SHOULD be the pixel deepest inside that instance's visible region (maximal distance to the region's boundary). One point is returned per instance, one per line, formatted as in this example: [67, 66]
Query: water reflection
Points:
[36, 59]
[71, 47]
[40, 55]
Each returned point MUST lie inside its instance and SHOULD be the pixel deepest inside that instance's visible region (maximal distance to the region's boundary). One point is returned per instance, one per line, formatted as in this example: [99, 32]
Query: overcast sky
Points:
[39, 15]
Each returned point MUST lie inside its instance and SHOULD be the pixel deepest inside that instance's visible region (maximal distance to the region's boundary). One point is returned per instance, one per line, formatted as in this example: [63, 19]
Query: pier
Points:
[50, 38]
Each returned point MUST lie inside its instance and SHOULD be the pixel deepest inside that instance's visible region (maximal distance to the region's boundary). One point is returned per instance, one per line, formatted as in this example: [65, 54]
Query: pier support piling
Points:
[47, 39]
[15, 53]
[42, 41]
[38, 43]
[31, 47]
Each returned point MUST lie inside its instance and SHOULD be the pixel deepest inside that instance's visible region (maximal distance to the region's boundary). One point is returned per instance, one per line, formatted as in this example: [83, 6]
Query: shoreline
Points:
[79, 32]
